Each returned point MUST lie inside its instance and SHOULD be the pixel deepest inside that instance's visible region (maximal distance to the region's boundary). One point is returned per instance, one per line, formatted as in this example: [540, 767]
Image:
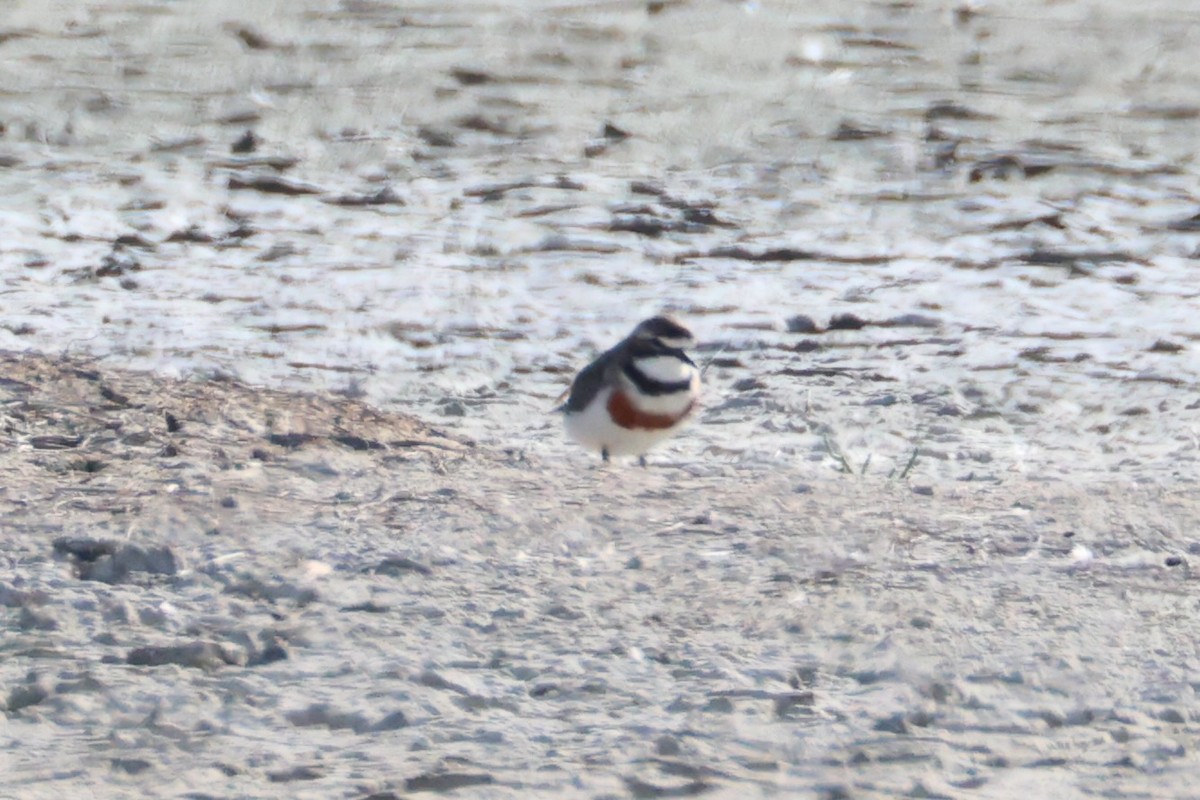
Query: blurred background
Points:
[877, 216]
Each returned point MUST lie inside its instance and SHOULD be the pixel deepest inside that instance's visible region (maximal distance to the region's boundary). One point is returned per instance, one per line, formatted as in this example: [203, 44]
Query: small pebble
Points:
[454, 408]
[801, 324]
[1172, 716]
[31, 620]
[132, 766]
[196, 655]
[719, 705]
[25, 696]
[894, 723]
[667, 746]
[846, 322]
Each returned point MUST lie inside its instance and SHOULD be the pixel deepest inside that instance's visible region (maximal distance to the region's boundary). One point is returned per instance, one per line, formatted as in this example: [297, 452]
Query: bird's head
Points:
[665, 331]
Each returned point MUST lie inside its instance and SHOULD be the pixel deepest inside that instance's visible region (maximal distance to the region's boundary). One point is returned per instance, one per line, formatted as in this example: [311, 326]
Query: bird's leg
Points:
[604, 454]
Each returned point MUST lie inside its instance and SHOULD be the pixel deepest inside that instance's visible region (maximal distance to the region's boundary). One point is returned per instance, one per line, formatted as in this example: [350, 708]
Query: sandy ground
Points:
[282, 513]
[297, 596]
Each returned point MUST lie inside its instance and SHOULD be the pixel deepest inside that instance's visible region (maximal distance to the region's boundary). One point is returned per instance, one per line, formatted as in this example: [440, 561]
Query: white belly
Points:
[593, 428]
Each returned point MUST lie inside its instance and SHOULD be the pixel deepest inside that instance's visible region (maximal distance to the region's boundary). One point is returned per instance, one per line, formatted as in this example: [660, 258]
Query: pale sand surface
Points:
[946, 554]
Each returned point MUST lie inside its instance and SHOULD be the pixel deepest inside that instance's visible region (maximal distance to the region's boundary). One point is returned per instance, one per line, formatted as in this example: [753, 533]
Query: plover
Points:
[636, 394]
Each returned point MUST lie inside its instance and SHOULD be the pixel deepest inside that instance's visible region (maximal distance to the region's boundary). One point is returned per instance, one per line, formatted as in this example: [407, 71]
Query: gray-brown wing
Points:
[589, 382]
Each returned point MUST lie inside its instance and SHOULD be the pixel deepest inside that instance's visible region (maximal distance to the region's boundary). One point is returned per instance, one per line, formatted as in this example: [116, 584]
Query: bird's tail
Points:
[560, 403]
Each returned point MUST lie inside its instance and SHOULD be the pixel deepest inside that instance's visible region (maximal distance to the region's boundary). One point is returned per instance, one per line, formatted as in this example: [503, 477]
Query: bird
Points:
[635, 394]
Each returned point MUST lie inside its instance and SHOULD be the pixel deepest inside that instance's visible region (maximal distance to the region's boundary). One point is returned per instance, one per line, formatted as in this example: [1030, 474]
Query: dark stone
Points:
[436, 138]
[1003, 167]
[16, 598]
[133, 766]
[667, 746]
[894, 723]
[867, 677]
[435, 681]
[446, 781]
[1172, 716]
[946, 109]
[640, 790]
[399, 565]
[392, 722]
[302, 773]
[679, 705]
[719, 705]
[774, 254]
[471, 77]
[384, 197]
[652, 227]
[320, 715]
[453, 408]
[369, 607]
[251, 38]
[270, 184]
[131, 558]
[269, 655]
[358, 443]
[290, 440]
[846, 322]
[850, 132]
[84, 548]
[1164, 346]
[613, 133]
[803, 676]
[1189, 224]
[246, 143]
[195, 655]
[792, 704]
[193, 234]
[31, 620]
[560, 611]
[52, 442]
[644, 187]
[25, 696]
[912, 321]
[920, 792]
[111, 562]
[920, 719]
[1082, 717]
